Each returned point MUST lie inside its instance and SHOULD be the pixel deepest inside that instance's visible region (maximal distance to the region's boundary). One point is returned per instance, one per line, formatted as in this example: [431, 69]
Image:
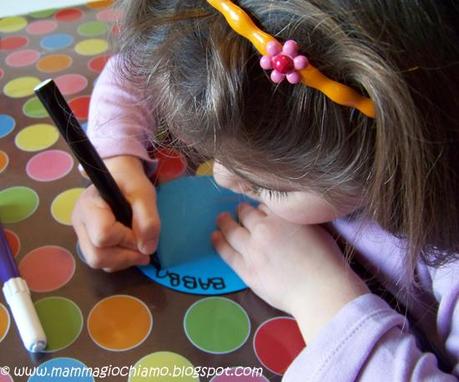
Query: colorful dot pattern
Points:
[119, 323]
[217, 325]
[47, 268]
[91, 317]
[62, 321]
[165, 363]
[277, 342]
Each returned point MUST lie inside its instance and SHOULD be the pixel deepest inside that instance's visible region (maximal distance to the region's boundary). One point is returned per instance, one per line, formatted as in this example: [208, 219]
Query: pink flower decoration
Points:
[284, 61]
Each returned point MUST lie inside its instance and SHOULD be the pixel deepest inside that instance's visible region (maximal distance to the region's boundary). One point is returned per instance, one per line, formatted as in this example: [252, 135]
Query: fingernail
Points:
[148, 248]
[221, 216]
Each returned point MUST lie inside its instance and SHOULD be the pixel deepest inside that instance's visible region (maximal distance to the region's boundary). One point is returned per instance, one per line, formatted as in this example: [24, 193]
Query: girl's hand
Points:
[106, 243]
[296, 268]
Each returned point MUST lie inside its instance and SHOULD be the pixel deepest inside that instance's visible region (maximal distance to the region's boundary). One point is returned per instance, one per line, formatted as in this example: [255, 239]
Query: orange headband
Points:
[310, 76]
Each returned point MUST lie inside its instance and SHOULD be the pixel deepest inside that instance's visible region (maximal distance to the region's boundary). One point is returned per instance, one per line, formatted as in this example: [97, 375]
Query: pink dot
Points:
[277, 342]
[71, 83]
[1, 73]
[47, 268]
[80, 106]
[41, 27]
[13, 42]
[6, 378]
[68, 15]
[109, 15]
[49, 165]
[22, 58]
[96, 64]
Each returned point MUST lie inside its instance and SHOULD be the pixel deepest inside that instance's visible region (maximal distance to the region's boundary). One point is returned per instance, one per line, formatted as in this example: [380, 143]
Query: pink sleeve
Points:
[118, 123]
[368, 341]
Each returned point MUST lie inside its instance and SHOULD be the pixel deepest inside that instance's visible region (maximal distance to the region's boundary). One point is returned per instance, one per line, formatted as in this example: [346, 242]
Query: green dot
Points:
[160, 367]
[92, 28]
[42, 14]
[33, 108]
[62, 321]
[17, 203]
[217, 325]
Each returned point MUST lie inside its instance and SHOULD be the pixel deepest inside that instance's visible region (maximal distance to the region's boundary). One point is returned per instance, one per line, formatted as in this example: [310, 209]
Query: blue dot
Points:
[85, 126]
[56, 41]
[7, 124]
[62, 370]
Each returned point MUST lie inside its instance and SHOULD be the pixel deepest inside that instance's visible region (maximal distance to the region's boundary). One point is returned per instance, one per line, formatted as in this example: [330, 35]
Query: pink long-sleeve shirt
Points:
[366, 340]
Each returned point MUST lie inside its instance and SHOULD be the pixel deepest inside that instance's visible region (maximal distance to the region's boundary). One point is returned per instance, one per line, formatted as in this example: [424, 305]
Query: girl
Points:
[387, 179]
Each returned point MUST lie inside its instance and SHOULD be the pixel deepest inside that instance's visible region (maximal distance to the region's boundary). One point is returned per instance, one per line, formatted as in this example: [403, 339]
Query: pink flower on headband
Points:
[284, 60]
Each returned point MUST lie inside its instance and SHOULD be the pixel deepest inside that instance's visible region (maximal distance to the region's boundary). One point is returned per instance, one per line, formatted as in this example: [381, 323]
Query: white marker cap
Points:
[17, 296]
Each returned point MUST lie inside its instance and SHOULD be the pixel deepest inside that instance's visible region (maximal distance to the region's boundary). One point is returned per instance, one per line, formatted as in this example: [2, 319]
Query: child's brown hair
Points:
[203, 81]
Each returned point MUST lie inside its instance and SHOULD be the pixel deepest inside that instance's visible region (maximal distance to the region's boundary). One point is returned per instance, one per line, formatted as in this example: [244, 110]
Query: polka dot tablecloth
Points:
[94, 319]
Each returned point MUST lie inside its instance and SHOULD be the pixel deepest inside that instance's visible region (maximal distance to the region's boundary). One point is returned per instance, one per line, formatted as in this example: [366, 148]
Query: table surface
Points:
[91, 317]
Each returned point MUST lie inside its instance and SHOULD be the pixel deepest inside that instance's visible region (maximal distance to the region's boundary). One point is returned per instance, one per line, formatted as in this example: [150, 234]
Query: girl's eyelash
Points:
[272, 194]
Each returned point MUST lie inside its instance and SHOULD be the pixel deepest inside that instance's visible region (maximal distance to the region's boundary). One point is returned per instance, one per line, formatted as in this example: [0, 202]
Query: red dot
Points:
[80, 106]
[13, 42]
[1, 73]
[96, 64]
[277, 342]
[68, 15]
[47, 268]
[171, 165]
[13, 241]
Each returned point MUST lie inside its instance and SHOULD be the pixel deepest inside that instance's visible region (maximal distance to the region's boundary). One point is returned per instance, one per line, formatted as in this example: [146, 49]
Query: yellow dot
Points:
[63, 205]
[12, 24]
[91, 47]
[205, 169]
[37, 137]
[21, 87]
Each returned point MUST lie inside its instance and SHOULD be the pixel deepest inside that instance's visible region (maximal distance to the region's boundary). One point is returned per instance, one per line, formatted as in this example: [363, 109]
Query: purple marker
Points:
[17, 296]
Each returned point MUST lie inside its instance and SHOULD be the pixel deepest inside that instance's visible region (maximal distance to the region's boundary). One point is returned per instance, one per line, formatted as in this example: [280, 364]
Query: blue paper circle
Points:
[62, 370]
[7, 124]
[56, 41]
[188, 208]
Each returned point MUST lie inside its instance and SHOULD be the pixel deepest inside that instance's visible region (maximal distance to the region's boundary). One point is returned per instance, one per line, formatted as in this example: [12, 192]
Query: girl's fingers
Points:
[236, 235]
[111, 258]
[145, 222]
[249, 216]
[228, 253]
[99, 222]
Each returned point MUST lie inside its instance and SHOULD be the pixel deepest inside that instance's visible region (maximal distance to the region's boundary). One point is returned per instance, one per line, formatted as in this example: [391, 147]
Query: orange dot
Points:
[99, 4]
[54, 63]
[4, 322]
[119, 323]
[4, 160]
